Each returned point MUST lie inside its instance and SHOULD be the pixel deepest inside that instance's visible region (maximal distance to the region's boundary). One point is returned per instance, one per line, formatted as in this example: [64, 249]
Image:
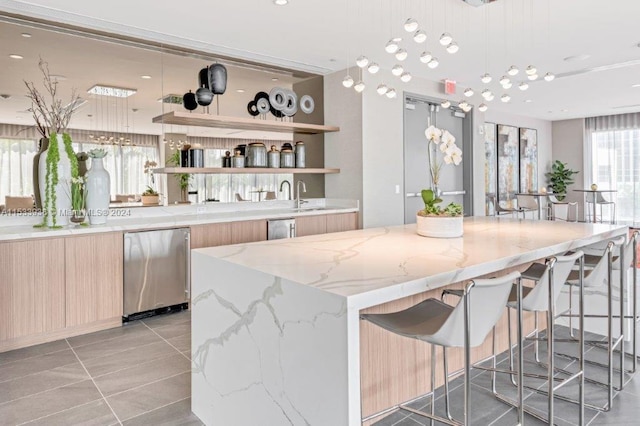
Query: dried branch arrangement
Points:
[48, 111]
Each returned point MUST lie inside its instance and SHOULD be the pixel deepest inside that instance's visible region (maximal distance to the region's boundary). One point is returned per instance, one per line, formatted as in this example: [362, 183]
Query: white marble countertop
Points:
[140, 219]
[372, 266]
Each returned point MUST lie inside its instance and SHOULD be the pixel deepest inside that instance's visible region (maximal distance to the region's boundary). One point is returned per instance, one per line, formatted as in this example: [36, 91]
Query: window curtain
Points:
[16, 167]
[612, 158]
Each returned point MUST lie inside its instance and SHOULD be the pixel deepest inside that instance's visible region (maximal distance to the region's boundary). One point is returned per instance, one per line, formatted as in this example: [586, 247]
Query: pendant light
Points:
[531, 70]
[445, 104]
[483, 107]
[382, 89]
[420, 36]
[392, 46]
[504, 80]
[446, 39]
[433, 63]
[362, 61]
[505, 98]
[453, 47]
[373, 68]
[391, 93]
[532, 77]
[486, 78]
[523, 86]
[463, 104]
[410, 25]
[468, 92]
[347, 81]
[359, 86]
[489, 98]
[466, 108]
[549, 76]
[513, 70]
[507, 86]
[405, 77]
[401, 54]
[397, 70]
[486, 93]
[426, 57]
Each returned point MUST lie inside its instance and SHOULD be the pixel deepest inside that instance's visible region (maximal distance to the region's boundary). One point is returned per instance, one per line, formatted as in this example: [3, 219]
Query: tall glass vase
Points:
[60, 206]
[98, 192]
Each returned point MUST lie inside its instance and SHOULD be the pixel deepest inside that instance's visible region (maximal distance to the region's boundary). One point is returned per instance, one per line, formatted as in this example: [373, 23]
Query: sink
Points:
[309, 209]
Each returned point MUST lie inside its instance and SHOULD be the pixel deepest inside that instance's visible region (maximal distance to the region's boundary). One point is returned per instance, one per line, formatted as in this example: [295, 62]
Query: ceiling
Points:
[326, 36]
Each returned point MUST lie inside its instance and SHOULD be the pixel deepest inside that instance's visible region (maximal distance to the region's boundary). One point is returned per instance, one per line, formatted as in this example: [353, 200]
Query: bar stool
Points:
[549, 278]
[594, 278]
[466, 325]
[526, 204]
[628, 258]
[599, 199]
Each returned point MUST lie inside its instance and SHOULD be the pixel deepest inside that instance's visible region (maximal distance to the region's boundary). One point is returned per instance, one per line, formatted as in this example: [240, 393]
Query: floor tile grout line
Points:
[37, 372]
[43, 391]
[135, 365]
[150, 383]
[103, 340]
[58, 412]
[94, 383]
[3, 364]
[169, 343]
[157, 408]
[133, 348]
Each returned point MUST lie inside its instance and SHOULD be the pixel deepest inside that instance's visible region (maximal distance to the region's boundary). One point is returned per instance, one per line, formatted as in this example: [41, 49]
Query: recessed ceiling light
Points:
[528, 101]
[280, 2]
[145, 77]
[581, 57]
[14, 56]
[26, 35]
[274, 79]
[240, 90]
[635, 85]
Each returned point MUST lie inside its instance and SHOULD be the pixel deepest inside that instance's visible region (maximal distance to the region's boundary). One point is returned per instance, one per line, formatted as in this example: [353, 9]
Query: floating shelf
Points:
[246, 170]
[241, 123]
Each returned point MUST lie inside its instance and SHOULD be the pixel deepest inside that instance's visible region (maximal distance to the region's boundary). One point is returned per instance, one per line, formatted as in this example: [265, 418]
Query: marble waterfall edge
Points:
[260, 354]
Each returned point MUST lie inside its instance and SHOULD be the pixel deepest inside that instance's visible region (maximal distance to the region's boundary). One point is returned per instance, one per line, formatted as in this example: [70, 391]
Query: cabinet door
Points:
[342, 222]
[311, 225]
[94, 265]
[211, 235]
[248, 231]
[31, 287]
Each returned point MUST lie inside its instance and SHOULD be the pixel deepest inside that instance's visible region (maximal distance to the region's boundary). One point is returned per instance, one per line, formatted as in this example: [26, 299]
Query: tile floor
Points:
[140, 375]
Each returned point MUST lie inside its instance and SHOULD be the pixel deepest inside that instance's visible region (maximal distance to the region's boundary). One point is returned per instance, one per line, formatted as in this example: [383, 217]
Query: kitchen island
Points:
[276, 335]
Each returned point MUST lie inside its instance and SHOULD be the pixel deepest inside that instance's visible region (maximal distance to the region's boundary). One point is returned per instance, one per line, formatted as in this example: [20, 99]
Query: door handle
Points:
[413, 194]
[454, 192]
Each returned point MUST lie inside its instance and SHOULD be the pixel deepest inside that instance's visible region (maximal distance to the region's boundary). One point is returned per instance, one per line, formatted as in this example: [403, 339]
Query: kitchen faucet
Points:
[288, 184]
[300, 202]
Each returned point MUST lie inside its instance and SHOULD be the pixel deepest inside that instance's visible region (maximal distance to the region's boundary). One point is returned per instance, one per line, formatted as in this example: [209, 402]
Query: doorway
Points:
[455, 181]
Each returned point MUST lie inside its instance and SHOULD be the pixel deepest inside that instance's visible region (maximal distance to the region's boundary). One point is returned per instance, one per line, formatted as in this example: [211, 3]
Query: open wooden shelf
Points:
[245, 170]
[241, 123]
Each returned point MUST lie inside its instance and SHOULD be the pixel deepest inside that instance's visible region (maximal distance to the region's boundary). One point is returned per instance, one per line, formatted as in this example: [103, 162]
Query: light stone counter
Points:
[139, 219]
[275, 325]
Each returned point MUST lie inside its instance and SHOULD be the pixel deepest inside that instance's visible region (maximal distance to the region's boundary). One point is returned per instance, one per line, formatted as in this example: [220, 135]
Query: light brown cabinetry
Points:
[94, 274]
[210, 235]
[248, 231]
[324, 224]
[32, 288]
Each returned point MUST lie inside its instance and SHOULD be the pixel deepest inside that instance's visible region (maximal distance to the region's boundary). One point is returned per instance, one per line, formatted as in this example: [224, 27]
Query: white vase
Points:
[98, 192]
[439, 226]
[62, 190]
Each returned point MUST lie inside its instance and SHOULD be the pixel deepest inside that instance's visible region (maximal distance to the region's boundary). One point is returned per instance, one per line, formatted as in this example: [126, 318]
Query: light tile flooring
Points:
[139, 374]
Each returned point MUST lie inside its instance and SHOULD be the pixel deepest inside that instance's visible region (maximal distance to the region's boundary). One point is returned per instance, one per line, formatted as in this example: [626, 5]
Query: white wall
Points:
[568, 147]
[545, 138]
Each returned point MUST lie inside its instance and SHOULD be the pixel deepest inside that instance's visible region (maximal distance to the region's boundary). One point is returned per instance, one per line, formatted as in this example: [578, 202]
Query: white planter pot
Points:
[98, 193]
[62, 189]
[439, 226]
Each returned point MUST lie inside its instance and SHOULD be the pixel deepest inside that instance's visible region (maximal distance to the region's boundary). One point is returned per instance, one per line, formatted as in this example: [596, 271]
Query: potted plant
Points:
[560, 178]
[433, 221]
[183, 178]
[58, 163]
[150, 197]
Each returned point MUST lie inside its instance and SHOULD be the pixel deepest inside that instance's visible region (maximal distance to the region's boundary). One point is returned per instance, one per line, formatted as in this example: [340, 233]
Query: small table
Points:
[585, 191]
[259, 192]
[538, 195]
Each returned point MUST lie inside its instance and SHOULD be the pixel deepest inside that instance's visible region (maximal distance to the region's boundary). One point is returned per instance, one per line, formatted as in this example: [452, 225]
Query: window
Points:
[225, 187]
[16, 167]
[125, 165]
[615, 164]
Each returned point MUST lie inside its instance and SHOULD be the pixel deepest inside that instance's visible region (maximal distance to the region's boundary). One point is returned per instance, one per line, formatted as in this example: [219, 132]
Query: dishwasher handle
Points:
[292, 230]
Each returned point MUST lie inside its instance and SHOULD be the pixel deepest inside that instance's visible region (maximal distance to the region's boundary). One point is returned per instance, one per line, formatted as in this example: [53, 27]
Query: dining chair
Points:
[601, 201]
[526, 204]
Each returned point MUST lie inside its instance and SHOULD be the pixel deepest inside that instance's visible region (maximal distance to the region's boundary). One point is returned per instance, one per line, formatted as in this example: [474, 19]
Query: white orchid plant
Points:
[441, 150]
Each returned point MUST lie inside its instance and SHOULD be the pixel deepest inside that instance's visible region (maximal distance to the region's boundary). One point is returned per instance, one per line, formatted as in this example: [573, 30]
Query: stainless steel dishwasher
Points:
[281, 228]
[156, 269]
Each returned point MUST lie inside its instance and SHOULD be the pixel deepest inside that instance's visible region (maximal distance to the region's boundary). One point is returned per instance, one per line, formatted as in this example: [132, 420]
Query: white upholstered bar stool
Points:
[466, 325]
[601, 201]
[599, 276]
[549, 279]
[526, 204]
